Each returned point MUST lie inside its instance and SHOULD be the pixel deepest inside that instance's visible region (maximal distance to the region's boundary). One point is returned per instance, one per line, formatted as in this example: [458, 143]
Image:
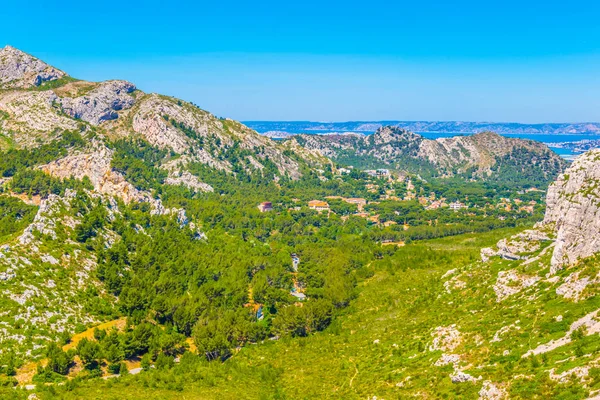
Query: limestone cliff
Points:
[571, 224]
[573, 204]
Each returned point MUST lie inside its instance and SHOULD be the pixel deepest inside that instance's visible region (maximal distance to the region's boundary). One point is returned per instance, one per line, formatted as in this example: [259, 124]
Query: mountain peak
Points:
[387, 134]
[9, 48]
[19, 70]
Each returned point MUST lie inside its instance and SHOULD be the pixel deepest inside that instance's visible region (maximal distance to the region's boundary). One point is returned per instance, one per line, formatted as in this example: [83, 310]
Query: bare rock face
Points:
[185, 129]
[492, 391]
[20, 70]
[573, 204]
[150, 122]
[32, 115]
[96, 166]
[102, 103]
[188, 180]
[179, 176]
[44, 221]
[445, 338]
[574, 286]
[510, 282]
[517, 247]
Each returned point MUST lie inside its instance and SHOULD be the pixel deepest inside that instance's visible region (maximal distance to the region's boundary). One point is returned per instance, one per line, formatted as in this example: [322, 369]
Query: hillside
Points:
[447, 318]
[149, 248]
[91, 167]
[39, 104]
[487, 155]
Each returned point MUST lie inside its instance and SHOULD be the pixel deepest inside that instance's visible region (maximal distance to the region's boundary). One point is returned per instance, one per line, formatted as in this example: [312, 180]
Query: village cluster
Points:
[384, 186]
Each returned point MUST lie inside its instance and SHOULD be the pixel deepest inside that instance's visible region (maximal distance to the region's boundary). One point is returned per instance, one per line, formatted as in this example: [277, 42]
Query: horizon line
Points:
[421, 120]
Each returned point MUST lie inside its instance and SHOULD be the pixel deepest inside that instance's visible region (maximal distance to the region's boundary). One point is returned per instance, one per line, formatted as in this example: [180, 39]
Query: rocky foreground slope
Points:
[551, 274]
[571, 225]
[483, 155]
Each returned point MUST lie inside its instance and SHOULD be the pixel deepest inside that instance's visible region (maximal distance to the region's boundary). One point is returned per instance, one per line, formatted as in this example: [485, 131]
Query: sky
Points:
[505, 61]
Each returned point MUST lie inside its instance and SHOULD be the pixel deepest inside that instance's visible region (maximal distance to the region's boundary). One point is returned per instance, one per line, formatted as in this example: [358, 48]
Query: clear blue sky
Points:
[524, 61]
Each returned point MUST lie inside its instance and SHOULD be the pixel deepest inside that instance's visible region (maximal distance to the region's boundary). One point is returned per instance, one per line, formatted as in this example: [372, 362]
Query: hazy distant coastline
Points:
[286, 128]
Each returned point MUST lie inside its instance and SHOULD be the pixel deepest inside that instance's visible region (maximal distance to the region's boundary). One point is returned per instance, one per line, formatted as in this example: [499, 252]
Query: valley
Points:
[151, 249]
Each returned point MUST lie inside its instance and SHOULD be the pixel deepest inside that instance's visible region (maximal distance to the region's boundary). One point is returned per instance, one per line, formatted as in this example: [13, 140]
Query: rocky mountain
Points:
[486, 155]
[75, 151]
[39, 103]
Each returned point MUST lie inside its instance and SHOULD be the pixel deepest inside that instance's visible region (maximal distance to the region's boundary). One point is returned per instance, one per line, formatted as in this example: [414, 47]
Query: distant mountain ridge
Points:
[485, 155]
[283, 127]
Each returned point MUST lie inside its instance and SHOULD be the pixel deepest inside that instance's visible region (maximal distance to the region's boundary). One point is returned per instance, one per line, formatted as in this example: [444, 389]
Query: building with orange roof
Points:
[318, 205]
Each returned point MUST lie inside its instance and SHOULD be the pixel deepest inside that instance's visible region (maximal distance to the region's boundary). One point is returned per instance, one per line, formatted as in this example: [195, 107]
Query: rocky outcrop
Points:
[492, 391]
[96, 165]
[188, 180]
[102, 103]
[573, 206]
[20, 70]
[445, 338]
[31, 116]
[517, 247]
[461, 377]
[45, 220]
[574, 286]
[510, 282]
